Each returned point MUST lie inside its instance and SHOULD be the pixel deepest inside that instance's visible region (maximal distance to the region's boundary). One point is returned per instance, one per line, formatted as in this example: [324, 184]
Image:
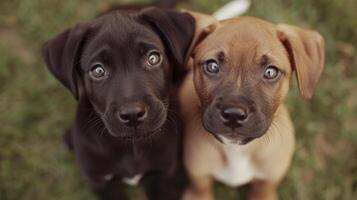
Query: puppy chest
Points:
[131, 169]
[132, 172]
[134, 180]
[238, 168]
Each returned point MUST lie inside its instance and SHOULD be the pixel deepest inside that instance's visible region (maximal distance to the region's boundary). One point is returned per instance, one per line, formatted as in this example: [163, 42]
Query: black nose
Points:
[234, 114]
[132, 114]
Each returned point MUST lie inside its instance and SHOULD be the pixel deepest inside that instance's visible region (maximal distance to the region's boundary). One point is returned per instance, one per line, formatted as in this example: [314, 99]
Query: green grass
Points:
[35, 109]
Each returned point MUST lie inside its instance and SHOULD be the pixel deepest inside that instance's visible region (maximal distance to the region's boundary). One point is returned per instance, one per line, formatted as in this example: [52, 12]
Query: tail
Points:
[232, 9]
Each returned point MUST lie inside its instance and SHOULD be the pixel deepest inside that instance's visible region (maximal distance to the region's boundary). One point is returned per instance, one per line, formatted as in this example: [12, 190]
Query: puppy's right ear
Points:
[62, 54]
[205, 25]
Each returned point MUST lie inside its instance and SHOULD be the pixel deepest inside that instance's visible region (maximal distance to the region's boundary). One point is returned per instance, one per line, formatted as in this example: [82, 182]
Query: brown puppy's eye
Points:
[154, 59]
[97, 71]
[211, 67]
[271, 72]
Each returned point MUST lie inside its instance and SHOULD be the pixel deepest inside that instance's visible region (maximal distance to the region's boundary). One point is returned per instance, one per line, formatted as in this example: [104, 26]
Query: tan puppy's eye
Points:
[271, 72]
[154, 59]
[97, 71]
[211, 67]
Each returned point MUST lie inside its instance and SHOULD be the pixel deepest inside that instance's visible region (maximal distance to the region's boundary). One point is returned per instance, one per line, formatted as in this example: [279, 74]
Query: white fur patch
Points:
[224, 140]
[238, 169]
[108, 177]
[133, 180]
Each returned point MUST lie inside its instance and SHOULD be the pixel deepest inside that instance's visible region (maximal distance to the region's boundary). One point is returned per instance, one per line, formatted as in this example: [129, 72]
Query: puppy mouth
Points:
[233, 136]
[136, 137]
[143, 131]
[136, 133]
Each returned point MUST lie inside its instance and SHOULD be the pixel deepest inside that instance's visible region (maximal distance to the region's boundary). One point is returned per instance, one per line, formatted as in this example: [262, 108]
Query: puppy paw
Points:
[194, 195]
[272, 195]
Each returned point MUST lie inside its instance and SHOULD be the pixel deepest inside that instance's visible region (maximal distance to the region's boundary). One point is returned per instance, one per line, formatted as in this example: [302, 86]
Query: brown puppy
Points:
[238, 130]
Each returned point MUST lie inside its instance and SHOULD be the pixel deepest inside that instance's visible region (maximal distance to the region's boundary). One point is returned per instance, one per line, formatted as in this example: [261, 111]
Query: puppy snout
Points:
[234, 111]
[236, 114]
[132, 114]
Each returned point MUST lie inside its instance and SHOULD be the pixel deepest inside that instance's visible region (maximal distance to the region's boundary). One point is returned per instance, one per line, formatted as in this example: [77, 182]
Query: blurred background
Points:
[35, 109]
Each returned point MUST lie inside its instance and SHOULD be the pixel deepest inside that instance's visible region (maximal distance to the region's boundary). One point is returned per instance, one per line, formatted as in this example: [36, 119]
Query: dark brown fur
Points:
[103, 144]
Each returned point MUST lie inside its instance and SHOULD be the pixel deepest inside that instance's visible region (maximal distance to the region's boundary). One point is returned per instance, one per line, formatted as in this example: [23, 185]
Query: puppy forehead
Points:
[123, 32]
[243, 39]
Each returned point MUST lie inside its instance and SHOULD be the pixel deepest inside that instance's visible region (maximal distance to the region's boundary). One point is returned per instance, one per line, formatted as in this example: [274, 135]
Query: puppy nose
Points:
[132, 114]
[234, 114]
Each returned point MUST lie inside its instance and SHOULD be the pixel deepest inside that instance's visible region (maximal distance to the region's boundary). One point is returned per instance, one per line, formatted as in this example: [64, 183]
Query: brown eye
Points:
[97, 71]
[154, 58]
[211, 67]
[271, 72]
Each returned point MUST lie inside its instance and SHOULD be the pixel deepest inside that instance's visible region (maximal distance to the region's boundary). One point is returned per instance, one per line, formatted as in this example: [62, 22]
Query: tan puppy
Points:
[238, 130]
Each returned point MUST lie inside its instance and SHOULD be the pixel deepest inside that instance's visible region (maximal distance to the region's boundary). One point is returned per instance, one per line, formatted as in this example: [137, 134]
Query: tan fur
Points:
[269, 155]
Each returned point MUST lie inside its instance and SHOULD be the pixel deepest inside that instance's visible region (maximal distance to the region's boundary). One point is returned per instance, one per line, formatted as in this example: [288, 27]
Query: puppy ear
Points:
[306, 51]
[205, 25]
[62, 54]
[175, 28]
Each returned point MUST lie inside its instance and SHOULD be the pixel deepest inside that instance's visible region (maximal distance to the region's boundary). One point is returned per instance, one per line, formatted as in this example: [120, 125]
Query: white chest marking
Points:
[238, 169]
[133, 180]
[108, 177]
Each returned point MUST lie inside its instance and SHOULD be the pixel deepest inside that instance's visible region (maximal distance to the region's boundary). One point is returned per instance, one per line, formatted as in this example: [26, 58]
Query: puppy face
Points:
[241, 73]
[126, 76]
[124, 69]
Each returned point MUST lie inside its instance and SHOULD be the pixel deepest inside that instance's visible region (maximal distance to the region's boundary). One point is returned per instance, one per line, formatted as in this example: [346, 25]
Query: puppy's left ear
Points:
[62, 53]
[306, 49]
[175, 28]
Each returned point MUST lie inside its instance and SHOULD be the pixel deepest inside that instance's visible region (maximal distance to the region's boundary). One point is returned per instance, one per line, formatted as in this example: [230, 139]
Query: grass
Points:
[35, 109]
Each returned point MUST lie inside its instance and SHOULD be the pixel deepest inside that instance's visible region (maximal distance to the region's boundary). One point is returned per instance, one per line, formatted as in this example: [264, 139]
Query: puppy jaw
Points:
[237, 140]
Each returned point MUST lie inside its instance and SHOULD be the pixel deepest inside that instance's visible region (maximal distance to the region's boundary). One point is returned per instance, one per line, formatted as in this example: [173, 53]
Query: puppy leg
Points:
[273, 160]
[164, 187]
[202, 158]
[200, 188]
[263, 190]
[109, 190]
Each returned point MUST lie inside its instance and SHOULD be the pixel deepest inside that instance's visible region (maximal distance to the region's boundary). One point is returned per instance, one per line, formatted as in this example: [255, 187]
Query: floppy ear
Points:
[62, 54]
[205, 25]
[306, 51]
[176, 29]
